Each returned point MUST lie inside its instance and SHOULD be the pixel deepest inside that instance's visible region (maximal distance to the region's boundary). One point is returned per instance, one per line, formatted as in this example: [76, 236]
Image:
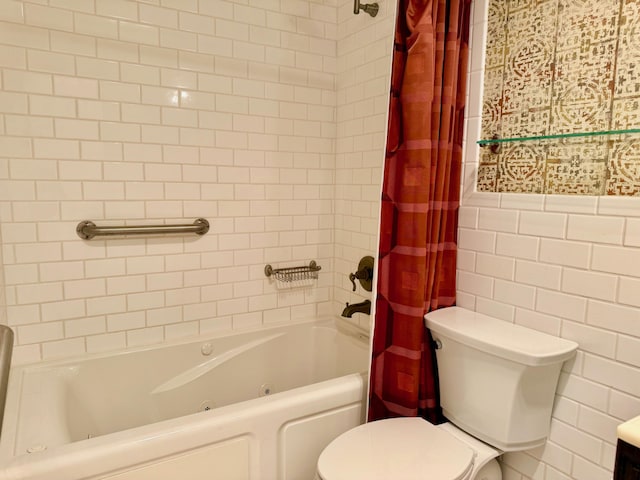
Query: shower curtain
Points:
[420, 199]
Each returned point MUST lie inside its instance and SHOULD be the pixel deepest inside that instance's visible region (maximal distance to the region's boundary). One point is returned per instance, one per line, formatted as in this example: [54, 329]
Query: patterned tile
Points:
[626, 104]
[496, 46]
[562, 66]
[487, 172]
[583, 90]
[521, 168]
[577, 167]
[527, 87]
[624, 168]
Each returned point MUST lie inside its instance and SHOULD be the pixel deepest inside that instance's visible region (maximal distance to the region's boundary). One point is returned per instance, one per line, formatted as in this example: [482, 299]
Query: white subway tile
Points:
[589, 284]
[575, 440]
[623, 406]
[145, 336]
[63, 348]
[571, 203]
[13, 103]
[106, 342]
[30, 82]
[75, 87]
[51, 272]
[52, 106]
[106, 305]
[477, 240]
[538, 274]
[628, 350]
[468, 217]
[542, 224]
[495, 266]
[618, 205]
[617, 375]
[125, 321]
[562, 305]
[145, 300]
[98, 68]
[495, 309]
[123, 9]
[96, 26]
[596, 229]
[181, 330]
[566, 411]
[621, 260]
[164, 316]
[127, 284]
[628, 291]
[590, 339]
[584, 391]
[563, 252]
[40, 332]
[24, 36]
[498, 220]
[84, 288]
[514, 294]
[538, 321]
[63, 310]
[138, 33]
[475, 284]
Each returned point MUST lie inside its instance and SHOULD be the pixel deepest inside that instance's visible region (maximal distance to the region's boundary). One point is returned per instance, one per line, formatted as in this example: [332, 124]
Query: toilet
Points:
[497, 387]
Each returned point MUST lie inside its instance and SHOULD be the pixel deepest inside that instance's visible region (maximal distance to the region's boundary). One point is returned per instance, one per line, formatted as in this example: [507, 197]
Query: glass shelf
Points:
[498, 141]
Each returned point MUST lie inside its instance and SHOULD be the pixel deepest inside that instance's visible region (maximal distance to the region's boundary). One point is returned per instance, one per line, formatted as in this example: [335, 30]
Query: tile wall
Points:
[363, 66]
[3, 297]
[565, 265]
[164, 111]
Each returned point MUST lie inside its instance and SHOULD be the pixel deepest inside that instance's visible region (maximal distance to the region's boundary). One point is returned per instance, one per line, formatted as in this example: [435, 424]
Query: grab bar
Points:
[6, 348]
[87, 229]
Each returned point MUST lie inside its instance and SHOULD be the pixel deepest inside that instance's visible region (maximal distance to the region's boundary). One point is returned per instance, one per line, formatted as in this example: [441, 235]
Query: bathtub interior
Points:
[65, 402]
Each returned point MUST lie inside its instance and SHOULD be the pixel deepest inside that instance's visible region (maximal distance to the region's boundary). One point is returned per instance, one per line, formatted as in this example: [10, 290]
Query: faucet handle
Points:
[352, 277]
[364, 274]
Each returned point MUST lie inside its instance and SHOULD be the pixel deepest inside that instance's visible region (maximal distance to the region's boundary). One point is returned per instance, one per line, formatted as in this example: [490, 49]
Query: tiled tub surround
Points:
[363, 76]
[562, 67]
[153, 111]
[566, 265]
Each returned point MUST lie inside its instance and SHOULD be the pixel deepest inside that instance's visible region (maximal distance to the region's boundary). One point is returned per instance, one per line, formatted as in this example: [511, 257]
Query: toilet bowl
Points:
[497, 384]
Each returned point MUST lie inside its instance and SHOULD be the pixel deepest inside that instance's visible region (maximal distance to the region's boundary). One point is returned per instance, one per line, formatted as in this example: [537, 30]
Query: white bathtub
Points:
[256, 405]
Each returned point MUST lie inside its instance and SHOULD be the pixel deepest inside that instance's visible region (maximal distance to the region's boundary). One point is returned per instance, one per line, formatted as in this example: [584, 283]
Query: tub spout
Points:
[362, 307]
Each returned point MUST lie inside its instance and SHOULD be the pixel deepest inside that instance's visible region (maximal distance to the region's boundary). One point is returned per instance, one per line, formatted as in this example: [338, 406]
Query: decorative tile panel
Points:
[562, 67]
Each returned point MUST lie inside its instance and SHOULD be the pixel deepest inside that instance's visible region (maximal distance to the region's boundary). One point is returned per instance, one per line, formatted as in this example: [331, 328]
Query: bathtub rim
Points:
[341, 324]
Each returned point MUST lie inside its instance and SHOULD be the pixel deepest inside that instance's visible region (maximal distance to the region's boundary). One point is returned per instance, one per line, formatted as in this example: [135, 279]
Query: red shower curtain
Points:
[420, 199]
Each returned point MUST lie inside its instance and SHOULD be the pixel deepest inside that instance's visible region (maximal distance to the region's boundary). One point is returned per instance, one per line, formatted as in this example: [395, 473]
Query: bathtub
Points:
[254, 405]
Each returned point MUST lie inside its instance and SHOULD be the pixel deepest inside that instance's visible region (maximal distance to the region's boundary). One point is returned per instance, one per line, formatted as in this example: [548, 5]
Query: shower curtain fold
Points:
[420, 199]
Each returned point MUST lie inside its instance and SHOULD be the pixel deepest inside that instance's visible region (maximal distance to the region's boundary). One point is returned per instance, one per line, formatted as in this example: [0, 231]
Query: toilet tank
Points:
[497, 380]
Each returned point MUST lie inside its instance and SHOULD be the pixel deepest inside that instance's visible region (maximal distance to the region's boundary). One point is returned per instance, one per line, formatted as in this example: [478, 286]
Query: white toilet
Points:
[497, 387]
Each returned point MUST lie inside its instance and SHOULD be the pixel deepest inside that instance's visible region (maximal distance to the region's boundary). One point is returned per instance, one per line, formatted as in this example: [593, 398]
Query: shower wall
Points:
[565, 265]
[363, 80]
[122, 111]
[3, 298]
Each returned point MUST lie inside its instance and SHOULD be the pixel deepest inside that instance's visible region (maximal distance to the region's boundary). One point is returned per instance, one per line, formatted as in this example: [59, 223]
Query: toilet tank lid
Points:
[500, 338]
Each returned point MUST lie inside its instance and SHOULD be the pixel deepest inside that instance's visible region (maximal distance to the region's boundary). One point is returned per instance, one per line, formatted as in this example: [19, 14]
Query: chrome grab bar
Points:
[6, 348]
[87, 229]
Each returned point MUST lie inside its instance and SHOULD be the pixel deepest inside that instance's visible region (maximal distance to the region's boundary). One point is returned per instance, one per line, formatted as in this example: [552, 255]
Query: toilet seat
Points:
[396, 448]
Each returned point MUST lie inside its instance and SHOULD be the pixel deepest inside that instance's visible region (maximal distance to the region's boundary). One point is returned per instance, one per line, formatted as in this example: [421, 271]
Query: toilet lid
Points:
[397, 448]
